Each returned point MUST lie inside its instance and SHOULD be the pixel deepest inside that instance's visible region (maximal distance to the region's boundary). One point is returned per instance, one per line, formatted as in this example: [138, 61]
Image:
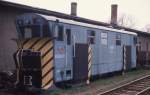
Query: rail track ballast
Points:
[136, 87]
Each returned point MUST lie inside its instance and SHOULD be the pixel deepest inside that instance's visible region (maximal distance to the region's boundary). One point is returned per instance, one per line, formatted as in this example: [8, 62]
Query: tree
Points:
[126, 21]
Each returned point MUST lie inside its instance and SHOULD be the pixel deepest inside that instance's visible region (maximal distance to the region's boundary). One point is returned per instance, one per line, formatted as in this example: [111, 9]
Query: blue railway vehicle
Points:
[52, 49]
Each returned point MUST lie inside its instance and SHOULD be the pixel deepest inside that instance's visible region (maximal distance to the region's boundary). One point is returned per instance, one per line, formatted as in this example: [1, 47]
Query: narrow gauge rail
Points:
[145, 92]
[136, 87]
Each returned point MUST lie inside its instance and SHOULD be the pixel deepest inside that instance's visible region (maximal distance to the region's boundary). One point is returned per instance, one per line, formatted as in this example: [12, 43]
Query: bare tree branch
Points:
[126, 21]
[147, 28]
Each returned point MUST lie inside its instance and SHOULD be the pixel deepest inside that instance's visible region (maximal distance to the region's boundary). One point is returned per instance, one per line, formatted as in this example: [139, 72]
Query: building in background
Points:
[143, 44]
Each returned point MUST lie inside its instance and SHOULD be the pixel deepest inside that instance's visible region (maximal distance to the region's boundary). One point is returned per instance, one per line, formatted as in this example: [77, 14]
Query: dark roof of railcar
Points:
[67, 16]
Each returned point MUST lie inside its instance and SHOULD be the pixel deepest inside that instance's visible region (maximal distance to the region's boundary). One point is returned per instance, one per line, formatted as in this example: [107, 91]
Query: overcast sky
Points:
[98, 9]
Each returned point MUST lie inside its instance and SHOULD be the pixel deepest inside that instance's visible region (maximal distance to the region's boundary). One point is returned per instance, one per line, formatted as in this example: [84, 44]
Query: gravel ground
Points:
[102, 85]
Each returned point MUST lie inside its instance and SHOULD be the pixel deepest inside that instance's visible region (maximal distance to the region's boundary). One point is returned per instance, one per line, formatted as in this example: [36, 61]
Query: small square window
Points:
[104, 38]
[28, 33]
[68, 34]
[118, 42]
[135, 40]
[60, 33]
[118, 39]
[91, 37]
[46, 30]
[68, 73]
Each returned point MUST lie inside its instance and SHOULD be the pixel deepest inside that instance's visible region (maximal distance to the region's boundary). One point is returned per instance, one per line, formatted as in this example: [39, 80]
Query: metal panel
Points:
[64, 60]
[105, 58]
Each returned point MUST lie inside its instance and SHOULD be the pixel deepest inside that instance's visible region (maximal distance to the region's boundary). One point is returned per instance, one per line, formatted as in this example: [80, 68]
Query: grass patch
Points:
[126, 76]
[54, 92]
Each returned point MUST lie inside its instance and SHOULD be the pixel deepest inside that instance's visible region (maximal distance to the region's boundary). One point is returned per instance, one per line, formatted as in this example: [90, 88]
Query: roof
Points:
[66, 16]
[52, 18]
[134, 30]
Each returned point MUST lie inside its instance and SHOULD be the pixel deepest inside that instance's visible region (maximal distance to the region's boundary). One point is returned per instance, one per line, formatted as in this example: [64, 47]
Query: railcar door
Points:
[127, 57]
[69, 55]
[80, 66]
[63, 54]
[82, 63]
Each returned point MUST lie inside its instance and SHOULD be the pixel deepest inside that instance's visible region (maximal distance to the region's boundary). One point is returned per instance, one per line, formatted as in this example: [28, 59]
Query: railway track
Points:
[136, 87]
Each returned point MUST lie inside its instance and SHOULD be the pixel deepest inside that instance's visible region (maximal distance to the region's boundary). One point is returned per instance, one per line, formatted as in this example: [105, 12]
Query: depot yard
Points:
[100, 85]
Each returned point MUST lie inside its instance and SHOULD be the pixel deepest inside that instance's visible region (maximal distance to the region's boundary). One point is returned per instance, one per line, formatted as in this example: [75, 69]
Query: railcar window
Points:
[91, 37]
[135, 40]
[104, 38]
[21, 32]
[46, 30]
[68, 73]
[30, 31]
[60, 33]
[35, 31]
[68, 34]
[118, 39]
